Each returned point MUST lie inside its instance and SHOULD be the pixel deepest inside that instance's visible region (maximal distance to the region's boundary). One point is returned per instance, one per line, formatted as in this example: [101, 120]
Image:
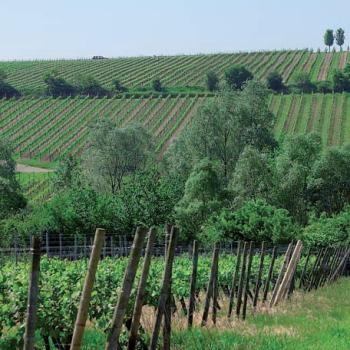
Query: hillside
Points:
[47, 128]
[179, 70]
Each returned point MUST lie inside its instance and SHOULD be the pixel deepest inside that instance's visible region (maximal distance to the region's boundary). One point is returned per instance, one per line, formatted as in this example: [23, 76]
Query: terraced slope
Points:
[183, 70]
[47, 128]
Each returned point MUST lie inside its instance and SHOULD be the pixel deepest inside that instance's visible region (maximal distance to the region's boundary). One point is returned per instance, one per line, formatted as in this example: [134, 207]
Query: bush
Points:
[212, 81]
[89, 86]
[157, 85]
[341, 80]
[324, 87]
[274, 81]
[326, 231]
[303, 83]
[255, 221]
[236, 76]
[118, 86]
[57, 86]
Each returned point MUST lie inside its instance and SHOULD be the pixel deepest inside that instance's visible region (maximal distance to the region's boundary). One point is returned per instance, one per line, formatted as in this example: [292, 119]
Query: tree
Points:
[7, 90]
[114, 153]
[157, 85]
[274, 81]
[329, 39]
[57, 86]
[302, 82]
[253, 177]
[212, 81]
[340, 37]
[200, 200]
[294, 165]
[11, 198]
[89, 86]
[237, 76]
[118, 86]
[224, 126]
[341, 80]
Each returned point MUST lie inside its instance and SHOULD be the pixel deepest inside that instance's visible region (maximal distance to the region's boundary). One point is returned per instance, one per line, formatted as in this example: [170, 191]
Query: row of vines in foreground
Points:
[176, 70]
[48, 128]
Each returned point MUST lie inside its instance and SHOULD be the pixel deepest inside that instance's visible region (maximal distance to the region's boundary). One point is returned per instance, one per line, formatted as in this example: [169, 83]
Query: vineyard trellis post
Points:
[209, 293]
[258, 279]
[135, 323]
[192, 301]
[235, 277]
[165, 288]
[129, 276]
[241, 280]
[247, 279]
[303, 272]
[86, 294]
[270, 273]
[33, 293]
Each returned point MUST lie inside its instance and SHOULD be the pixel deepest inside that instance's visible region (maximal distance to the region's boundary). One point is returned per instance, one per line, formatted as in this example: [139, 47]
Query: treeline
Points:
[225, 178]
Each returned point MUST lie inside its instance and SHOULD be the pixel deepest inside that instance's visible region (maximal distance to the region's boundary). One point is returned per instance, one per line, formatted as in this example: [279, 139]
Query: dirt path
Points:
[21, 168]
[343, 59]
[325, 67]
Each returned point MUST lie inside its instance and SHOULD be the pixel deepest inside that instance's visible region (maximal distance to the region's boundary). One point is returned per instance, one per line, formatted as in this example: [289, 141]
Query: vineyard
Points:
[237, 281]
[185, 70]
[47, 128]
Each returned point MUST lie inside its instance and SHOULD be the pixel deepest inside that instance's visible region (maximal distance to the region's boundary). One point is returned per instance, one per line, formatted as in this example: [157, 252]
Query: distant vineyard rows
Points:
[48, 128]
[179, 70]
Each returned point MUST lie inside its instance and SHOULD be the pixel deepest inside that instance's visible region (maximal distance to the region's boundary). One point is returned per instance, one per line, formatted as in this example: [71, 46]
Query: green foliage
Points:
[324, 86]
[157, 85]
[340, 37]
[114, 153]
[212, 81]
[274, 82]
[341, 79]
[236, 76]
[302, 82]
[328, 231]
[89, 86]
[11, 198]
[200, 200]
[67, 173]
[57, 86]
[329, 38]
[255, 221]
[7, 90]
[118, 86]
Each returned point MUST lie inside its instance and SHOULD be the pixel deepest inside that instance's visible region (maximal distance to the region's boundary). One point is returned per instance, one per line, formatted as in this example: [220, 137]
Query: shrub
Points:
[324, 86]
[303, 82]
[274, 81]
[212, 81]
[236, 76]
[157, 85]
[256, 220]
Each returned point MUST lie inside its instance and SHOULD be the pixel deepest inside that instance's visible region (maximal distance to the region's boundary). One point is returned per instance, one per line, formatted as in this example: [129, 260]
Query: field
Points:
[47, 129]
[181, 70]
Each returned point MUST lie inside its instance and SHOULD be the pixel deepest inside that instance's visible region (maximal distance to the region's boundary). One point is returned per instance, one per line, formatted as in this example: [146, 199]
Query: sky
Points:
[82, 28]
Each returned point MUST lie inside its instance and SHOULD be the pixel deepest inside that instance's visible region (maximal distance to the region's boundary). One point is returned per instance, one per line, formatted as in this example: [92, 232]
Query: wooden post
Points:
[314, 269]
[333, 263]
[258, 279]
[86, 294]
[247, 278]
[210, 285]
[304, 271]
[215, 288]
[287, 278]
[241, 281]
[280, 276]
[192, 301]
[164, 293]
[167, 310]
[135, 324]
[340, 266]
[269, 276]
[33, 292]
[235, 277]
[129, 276]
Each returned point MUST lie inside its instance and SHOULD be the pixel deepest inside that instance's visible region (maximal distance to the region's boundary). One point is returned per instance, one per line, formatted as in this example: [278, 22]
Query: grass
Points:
[317, 321]
[37, 163]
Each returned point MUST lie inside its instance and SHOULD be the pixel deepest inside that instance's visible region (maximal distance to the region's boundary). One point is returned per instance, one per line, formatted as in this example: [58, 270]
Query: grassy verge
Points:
[316, 321]
[37, 163]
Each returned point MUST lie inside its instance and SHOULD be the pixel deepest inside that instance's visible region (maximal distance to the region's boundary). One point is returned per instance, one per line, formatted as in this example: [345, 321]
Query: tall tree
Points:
[329, 38]
[212, 81]
[340, 37]
[226, 125]
[236, 76]
[114, 153]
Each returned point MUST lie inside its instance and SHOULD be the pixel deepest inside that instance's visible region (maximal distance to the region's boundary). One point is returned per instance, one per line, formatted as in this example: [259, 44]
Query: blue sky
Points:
[82, 28]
